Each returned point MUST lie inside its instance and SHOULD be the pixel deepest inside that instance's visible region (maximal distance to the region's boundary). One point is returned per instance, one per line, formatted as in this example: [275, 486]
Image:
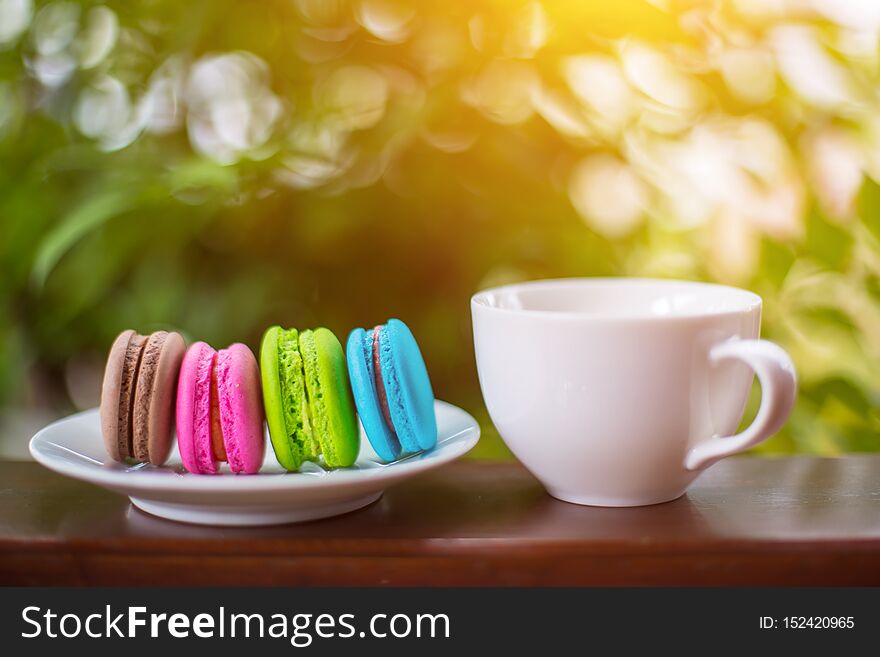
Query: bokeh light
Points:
[217, 166]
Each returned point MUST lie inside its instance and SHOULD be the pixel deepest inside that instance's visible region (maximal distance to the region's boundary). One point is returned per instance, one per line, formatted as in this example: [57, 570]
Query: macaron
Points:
[219, 410]
[392, 389]
[137, 395]
[307, 397]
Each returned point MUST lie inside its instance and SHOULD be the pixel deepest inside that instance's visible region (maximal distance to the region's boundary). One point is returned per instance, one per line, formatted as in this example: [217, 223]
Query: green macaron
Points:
[307, 397]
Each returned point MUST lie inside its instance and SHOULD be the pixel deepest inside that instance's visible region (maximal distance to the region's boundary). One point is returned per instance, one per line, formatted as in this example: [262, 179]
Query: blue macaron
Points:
[392, 390]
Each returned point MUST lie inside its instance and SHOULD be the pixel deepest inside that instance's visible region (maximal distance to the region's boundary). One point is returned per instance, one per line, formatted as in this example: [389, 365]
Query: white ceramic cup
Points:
[619, 392]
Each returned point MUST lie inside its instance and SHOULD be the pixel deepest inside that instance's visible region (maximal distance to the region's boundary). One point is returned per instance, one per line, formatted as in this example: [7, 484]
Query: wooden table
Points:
[747, 521]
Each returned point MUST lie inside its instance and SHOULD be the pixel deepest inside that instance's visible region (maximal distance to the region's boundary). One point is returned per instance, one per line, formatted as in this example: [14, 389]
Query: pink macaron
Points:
[219, 410]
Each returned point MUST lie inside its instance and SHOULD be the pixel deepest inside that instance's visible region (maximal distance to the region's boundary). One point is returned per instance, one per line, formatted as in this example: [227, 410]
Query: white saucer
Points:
[73, 447]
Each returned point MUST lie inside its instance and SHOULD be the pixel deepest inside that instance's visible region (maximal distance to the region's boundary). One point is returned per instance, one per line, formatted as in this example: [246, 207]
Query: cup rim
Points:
[751, 301]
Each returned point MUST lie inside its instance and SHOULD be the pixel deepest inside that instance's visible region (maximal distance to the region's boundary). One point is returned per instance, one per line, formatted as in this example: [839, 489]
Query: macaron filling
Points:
[130, 369]
[303, 445]
[373, 361]
[379, 382]
[140, 415]
[218, 449]
[206, 461]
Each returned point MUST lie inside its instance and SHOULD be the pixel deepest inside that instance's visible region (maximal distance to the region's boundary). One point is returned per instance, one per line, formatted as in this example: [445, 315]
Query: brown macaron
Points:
[137, 398]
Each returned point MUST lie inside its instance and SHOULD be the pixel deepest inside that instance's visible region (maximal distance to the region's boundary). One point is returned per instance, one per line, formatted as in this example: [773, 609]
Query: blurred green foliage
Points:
[222, 165]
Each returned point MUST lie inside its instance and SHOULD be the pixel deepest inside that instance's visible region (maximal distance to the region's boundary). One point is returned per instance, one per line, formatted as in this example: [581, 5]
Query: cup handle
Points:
[778, 391]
